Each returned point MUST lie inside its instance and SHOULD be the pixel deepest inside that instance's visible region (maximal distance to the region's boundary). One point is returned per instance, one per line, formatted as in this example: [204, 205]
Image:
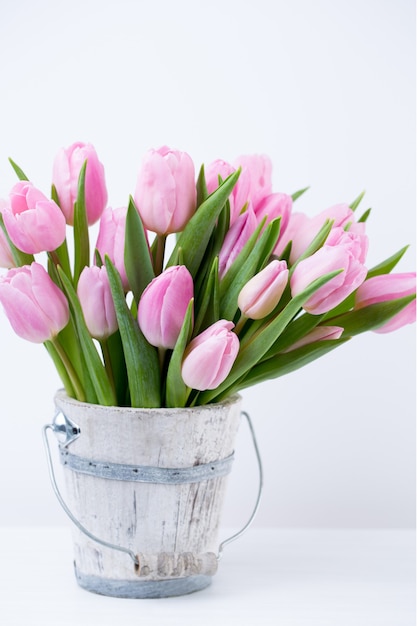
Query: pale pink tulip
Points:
[163, 305]
[297, 231]
[320, 333]
[261, 294]
[239, 196]
[66, 170]
[6, 256]
[34, 223]
[235, 239]
[165, 191]
[36, 308]
[272, 206]
[96, 301]
[259, 169]
[209, 357]
[389, 287]
[344, 257]
[111, 240]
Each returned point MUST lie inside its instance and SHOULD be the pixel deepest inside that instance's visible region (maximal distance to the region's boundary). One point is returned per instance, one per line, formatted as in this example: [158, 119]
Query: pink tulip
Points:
[163, 305]
[261, 294]
[37, 309]
[66, 170]
[6, 256]
[346, 256]
[239, 196]
[272, 206]
[111, 240]
[165, 191]
[235, 239]
[259, 169]
[34, 223]
[389, 287]
[301, 229]
[209, 357]
[96, 301]
[320, 333]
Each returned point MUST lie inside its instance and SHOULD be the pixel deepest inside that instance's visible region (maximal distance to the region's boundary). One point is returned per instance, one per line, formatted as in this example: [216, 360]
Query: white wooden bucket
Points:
[152, 482]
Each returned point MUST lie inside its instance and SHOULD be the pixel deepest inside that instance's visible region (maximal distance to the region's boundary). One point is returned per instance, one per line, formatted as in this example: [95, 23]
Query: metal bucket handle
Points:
[66, 431]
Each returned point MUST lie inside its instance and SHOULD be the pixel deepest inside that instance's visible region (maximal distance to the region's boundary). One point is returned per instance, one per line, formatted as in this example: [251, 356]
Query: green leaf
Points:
[141, 358]
[297, 329]
[196, 235]
[81, 238]
[202, 193]
[102, 386]
[61, 369]
[138, 262]
[20, 258]
[176, 390]
[370, 317]
[283, 364]
[208, 309]
[20, 173]
[299, 193]
[354, 205]
[386, 266]
[365, 216]
[253, 350]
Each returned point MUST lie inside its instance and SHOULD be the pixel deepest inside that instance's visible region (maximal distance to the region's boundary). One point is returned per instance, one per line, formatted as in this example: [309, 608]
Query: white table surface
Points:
[269, 577]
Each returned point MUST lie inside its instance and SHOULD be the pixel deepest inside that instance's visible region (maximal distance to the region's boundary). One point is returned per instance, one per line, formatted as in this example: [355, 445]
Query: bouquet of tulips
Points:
[249, 291]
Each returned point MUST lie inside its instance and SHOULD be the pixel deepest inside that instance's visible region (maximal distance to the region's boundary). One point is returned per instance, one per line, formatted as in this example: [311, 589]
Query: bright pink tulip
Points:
[345, 256]
[235, 239]
[96, 301]
[272, 206]
[239, 196]
[37, 309]
[34, 223]
[163, 305]
[320, 333]
[259, 169]
[66, 170]
[209, 357]
[389, 287]
[111, 240]
[261, 294]
[165, 191]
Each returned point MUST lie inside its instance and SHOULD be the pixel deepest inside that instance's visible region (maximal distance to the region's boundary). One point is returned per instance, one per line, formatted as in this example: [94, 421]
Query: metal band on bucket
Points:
[146, 474]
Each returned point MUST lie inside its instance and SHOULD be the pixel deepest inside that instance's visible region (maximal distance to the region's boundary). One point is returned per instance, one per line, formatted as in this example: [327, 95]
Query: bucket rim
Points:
[62, 396]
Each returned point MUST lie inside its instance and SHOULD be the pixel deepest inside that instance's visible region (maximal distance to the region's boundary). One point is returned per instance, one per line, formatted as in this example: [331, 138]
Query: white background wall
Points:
[327, 89]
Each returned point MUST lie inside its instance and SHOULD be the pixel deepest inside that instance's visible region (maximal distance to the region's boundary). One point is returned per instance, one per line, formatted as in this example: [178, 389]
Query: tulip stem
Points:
[107, 362]
[240, 324]
[72, 374]
[160, 253]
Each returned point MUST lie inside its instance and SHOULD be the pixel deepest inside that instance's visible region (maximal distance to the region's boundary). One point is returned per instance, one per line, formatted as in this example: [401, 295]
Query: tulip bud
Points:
[34, 223]
[209, 357]
[165, 191]
[163, 306]
[111, 240]
[96, 301]
[236, 237]
[320, 333]
[346, 257]
[261, 294]
[36, 308]
[66, 171]
[389, 287]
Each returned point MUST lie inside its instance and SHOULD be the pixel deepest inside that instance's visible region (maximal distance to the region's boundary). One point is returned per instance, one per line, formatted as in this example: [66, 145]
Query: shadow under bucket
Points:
[145, 489]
